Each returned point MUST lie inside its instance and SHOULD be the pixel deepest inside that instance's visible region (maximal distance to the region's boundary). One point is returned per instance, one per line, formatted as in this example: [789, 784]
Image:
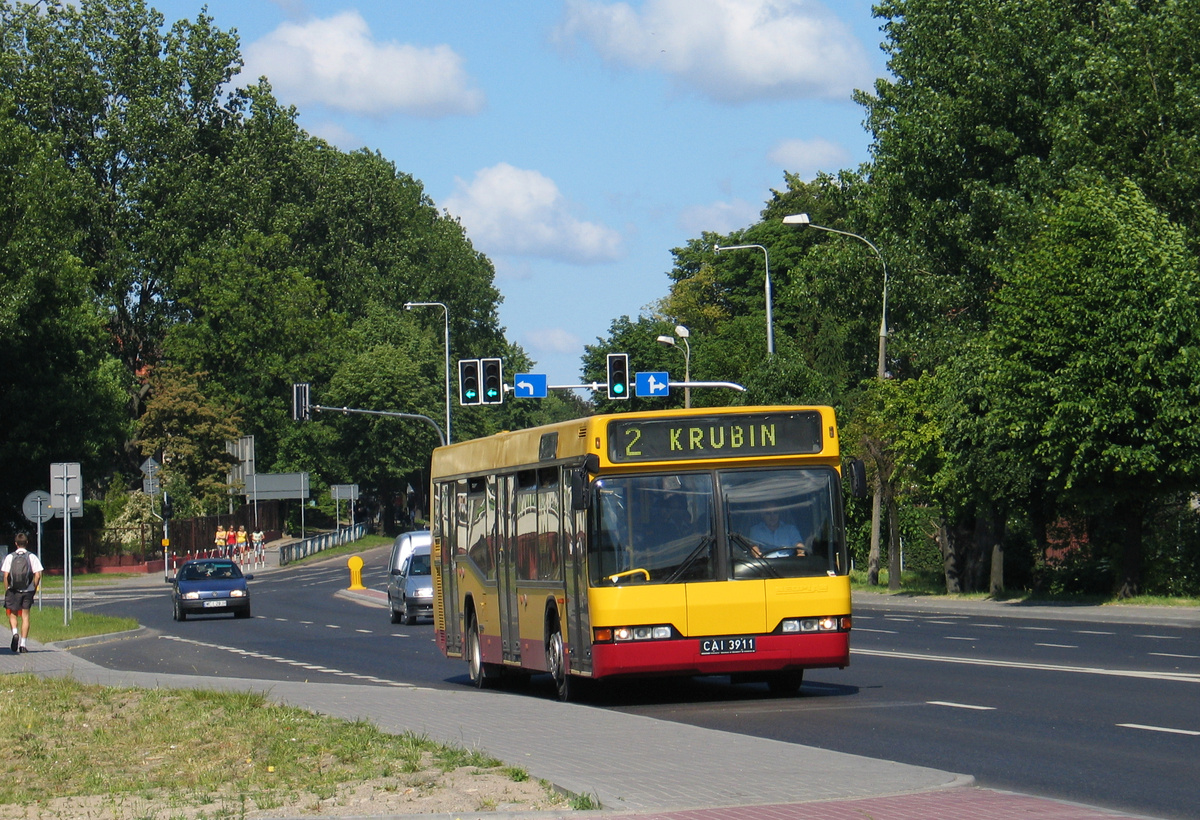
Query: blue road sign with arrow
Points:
[652, 385]
[530, 386]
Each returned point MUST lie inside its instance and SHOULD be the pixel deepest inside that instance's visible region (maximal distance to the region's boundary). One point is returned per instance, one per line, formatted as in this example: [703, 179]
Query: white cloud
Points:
[730, 50]
[509, 210]
[551, 340]
[719, 217]
[806, 157]
[336, 62]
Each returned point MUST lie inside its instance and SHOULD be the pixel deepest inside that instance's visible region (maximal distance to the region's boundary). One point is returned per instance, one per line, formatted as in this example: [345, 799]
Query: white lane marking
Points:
[365, 631]
[1168, 729]
[1057, 645]
[946, 623]
[300, 664]
[861, 629]
[988, 626]
[1182, 677]
[1173, 655]
[895, 618]
[961, 705]
[956, 638]
[333, 626]
[1092, 632]
[1037, 628]
[1159, 637]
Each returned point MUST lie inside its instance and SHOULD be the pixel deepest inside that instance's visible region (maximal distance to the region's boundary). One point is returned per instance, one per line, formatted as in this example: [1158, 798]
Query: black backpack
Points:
[19, 572]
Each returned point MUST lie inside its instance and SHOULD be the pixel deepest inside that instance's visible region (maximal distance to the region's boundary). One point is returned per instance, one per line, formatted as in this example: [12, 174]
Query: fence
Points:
[316, 543]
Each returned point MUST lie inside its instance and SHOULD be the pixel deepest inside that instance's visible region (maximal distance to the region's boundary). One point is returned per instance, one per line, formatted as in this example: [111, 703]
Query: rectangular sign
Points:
[705, 437]
[651, 385]
[276, 486]
[530, 386]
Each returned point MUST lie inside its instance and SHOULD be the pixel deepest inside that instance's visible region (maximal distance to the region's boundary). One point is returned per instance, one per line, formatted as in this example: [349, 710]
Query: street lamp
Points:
[802, 220]
[880, 372]
[767, 286]
[683, 333]
[446, 339]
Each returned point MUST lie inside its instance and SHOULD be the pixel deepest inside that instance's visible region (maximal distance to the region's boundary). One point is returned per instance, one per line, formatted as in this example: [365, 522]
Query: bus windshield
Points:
[728, 524]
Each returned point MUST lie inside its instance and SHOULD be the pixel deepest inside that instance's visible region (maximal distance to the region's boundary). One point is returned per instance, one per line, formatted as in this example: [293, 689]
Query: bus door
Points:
[510, 632]
[574, 547]
[446, 542]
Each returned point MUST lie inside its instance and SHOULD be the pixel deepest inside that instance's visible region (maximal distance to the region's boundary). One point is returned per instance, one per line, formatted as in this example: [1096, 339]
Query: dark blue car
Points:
[208, 587]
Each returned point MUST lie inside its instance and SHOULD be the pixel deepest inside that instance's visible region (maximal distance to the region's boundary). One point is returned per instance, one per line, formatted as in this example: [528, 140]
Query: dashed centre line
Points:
[262, 656]
[1167, 729]
[953, 705]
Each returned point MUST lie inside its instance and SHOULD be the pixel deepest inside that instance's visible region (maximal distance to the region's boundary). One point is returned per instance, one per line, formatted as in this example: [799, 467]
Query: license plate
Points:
[726, 646]
[214, 603]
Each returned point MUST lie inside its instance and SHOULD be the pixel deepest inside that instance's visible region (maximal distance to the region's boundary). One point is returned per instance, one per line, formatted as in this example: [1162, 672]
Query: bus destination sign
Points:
[732, 436]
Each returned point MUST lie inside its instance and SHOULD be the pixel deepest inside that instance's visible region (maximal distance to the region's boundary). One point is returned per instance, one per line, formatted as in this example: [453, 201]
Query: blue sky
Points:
[578, 141]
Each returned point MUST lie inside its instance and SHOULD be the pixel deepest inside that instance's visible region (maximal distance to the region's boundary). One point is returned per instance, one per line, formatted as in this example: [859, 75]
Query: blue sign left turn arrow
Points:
[529, 386]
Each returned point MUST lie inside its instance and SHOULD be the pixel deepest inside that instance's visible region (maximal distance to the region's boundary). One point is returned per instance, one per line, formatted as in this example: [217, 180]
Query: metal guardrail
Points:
[316, 543]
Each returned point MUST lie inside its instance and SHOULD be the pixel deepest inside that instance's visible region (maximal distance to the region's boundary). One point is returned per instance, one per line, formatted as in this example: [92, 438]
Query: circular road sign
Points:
[36, 507]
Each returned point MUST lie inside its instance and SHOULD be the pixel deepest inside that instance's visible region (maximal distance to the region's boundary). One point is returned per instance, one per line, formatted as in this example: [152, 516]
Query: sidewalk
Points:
[634, 766]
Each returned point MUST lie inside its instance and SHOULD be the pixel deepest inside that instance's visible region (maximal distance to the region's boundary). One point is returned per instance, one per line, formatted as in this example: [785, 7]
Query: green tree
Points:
[187, 431]
[62, 396]
[1096, 349]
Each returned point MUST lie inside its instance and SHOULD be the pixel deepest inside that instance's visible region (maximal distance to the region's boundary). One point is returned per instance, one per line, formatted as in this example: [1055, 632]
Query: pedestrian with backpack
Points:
[22, 575]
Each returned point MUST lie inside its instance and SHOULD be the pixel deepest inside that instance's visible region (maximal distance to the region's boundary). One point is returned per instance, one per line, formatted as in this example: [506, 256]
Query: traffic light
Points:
[468, 381]
[493, 381]
[301, 411]
[618, 376]
[168, 509]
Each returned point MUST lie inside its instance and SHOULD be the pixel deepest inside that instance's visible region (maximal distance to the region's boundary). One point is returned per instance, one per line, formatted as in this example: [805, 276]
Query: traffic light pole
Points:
[390, 414]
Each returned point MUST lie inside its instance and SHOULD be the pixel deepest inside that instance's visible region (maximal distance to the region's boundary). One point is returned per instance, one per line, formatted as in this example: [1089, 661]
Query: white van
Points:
[402, 548]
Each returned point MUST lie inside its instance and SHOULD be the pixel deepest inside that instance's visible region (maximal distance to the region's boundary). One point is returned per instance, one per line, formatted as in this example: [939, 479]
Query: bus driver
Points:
[775, 538]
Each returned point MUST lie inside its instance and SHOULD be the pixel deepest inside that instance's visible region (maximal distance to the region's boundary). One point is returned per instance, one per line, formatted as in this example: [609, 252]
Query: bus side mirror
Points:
[581, 482]
[858, 478]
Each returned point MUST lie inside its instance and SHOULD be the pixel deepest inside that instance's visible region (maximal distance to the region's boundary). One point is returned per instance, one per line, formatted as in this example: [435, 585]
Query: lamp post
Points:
[683, 333]
[446, 339]
[880, 372]
[767, 287]
[802, 219]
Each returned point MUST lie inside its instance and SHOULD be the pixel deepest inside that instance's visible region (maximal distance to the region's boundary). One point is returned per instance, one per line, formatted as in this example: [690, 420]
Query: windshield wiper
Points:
[705, 543]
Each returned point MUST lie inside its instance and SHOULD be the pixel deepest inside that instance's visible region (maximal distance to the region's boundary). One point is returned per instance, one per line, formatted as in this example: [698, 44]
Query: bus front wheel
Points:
[785, 684]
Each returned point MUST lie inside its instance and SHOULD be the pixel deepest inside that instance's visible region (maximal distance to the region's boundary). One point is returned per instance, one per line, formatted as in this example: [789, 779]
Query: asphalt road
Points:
[1105, 714]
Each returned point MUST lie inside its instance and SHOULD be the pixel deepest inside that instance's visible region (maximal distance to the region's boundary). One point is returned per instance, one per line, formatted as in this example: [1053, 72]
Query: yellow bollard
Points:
[355, 563]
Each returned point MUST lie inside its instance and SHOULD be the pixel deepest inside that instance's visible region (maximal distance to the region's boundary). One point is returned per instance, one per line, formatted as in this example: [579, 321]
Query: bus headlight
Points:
[825, 624]
[658, 632]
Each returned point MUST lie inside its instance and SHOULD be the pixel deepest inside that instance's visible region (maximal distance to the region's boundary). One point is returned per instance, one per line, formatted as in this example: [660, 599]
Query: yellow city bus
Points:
[677, 542]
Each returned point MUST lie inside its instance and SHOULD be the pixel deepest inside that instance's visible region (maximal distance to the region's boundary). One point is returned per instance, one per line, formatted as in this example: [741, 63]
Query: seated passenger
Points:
[775, 538]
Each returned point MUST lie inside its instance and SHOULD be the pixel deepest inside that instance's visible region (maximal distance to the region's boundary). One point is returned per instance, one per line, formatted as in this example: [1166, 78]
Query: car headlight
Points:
[191, 596]
[425, 592]
[237, 593]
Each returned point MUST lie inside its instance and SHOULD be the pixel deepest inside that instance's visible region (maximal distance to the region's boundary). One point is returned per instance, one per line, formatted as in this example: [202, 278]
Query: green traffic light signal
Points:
[618, 376]
[493, 381]
[468, 381]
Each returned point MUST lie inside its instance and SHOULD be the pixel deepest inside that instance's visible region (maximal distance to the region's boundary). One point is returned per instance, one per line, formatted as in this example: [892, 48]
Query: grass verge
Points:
[194, 748]
[46, 624]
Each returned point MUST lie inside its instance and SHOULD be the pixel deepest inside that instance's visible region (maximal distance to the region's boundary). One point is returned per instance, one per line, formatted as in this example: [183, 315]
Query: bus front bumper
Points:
[696, 656]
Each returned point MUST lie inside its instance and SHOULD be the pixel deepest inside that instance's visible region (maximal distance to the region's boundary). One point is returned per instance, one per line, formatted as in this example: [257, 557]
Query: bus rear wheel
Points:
[481, 674]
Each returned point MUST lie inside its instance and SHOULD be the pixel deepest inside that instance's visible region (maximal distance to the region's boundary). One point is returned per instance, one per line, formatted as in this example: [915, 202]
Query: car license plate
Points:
[726, 646]
[214, 603]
